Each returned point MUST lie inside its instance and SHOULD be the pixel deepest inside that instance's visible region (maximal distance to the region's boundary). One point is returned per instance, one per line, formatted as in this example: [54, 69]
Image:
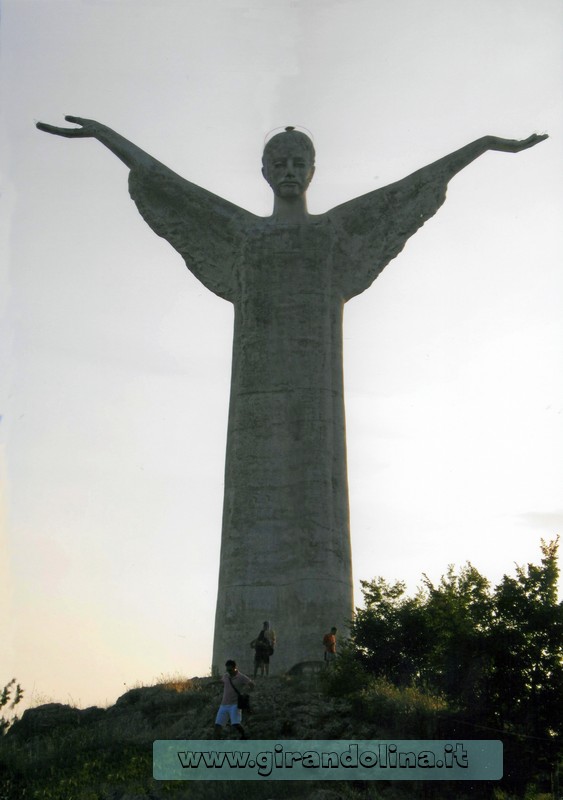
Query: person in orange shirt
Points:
[329, 642]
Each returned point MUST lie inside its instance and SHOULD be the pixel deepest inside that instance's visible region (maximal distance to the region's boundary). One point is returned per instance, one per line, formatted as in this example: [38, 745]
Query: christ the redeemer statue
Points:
[285, 551]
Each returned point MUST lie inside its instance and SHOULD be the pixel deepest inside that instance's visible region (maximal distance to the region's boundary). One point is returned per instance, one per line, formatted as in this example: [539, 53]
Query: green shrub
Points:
[402, 711]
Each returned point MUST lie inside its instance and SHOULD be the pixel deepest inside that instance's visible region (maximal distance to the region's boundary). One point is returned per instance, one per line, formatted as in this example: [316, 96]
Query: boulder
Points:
[45, 719]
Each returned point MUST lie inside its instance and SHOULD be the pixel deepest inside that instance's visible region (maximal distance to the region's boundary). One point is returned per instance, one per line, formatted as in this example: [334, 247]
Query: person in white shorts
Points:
[229, 710]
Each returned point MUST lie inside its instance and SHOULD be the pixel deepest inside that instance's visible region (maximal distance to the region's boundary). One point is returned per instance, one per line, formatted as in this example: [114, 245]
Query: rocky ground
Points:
[57, 752]
[52, 736]
[283, 707]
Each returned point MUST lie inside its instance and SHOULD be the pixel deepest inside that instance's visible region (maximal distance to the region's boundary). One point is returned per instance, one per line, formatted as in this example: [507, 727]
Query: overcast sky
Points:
[116, 361]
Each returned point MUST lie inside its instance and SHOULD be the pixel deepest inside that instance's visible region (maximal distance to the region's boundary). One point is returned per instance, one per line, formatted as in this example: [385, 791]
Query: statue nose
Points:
[290, 168]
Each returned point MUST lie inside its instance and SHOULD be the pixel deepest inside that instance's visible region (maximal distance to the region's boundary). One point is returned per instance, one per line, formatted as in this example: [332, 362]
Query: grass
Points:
[179, 683]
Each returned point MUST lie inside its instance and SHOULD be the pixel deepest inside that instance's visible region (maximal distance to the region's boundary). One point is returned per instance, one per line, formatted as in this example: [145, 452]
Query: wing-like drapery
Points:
[373, 229]
[205, 229]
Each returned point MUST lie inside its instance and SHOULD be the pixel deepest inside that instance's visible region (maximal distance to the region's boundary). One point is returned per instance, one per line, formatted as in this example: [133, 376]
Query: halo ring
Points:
[283, 129]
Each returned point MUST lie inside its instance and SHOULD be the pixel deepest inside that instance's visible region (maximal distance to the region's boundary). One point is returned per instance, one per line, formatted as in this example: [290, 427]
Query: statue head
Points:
[288, 163]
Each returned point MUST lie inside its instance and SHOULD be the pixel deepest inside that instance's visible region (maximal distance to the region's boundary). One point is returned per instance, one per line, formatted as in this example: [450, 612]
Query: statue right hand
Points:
[514, 145]
[126, 151]
[89, 128]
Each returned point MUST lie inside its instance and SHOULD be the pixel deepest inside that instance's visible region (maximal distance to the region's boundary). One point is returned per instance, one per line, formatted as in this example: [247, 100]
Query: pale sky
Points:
[116, 361]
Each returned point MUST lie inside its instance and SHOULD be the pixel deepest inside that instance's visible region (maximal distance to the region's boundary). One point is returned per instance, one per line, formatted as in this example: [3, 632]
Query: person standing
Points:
[233, 681]
[329, 642]
[263, 648]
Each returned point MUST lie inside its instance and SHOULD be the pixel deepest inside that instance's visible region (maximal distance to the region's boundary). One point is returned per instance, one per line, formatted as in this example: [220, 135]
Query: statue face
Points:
[289, 169]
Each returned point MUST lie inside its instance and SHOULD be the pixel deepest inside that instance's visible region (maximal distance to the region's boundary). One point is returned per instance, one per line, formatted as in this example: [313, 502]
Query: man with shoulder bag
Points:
[233, 700]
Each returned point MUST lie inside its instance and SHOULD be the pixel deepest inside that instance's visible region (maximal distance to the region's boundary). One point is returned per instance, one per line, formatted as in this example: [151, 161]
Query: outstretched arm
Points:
[205, 229]
[126, 151]
[451, 164]
[374, 228]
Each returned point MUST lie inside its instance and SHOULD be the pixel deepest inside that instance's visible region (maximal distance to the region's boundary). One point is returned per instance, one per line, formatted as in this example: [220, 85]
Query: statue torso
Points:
[287, 312]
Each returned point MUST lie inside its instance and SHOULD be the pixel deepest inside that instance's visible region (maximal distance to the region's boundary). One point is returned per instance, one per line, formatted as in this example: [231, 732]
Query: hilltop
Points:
[57, 752]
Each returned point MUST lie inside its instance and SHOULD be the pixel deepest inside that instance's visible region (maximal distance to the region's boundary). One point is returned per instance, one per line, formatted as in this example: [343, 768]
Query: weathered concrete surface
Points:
[285, 553]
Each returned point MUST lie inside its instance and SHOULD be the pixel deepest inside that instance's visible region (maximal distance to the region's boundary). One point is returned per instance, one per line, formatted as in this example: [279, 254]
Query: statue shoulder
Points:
[207, 230]
[372, 229]
[164, 189]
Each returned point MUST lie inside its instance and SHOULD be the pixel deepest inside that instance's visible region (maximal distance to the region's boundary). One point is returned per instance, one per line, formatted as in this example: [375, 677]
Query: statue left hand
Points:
[514, 145]
[88, 128]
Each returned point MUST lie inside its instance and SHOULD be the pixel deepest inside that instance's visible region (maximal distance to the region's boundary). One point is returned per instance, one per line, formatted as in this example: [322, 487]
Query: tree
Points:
[496, 655]
[527, 657]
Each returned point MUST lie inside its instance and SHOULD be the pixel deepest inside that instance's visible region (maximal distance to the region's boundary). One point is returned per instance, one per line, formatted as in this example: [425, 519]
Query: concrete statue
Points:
[285, 551]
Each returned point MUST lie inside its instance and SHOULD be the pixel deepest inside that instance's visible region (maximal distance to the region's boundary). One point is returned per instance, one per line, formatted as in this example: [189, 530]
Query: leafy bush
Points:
[403, 710]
